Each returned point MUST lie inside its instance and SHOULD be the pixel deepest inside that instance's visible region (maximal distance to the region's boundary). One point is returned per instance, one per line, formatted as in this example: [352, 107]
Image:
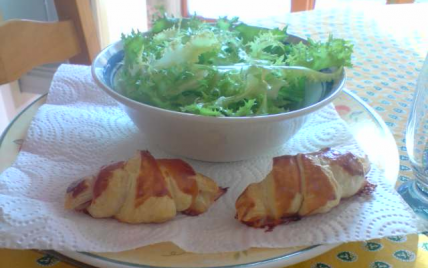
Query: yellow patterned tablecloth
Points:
[390, 44]
[398, 251]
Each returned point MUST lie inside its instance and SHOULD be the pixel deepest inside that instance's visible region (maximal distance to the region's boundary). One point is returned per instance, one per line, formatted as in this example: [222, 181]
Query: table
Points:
[390, 44]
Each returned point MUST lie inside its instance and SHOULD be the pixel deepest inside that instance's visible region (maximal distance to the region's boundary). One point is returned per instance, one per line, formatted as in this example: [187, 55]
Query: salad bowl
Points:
[214, 139]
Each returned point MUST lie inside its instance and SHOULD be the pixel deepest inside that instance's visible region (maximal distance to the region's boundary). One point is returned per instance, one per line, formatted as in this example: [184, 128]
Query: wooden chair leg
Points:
[79, 11]
[302, 5]
[184, 8]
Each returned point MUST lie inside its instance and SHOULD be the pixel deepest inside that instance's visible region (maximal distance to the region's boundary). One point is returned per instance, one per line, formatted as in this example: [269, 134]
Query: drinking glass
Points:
[415, 191]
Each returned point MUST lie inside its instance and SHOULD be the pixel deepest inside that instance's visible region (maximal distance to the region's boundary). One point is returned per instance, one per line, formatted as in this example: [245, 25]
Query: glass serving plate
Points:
[367, 127]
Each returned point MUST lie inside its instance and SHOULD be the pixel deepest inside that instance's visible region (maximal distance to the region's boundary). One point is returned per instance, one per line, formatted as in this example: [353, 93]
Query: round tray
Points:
[367, 127]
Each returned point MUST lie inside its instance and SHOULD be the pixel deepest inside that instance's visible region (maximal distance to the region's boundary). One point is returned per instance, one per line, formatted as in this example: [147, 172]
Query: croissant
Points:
[143, 190]
[302, 185]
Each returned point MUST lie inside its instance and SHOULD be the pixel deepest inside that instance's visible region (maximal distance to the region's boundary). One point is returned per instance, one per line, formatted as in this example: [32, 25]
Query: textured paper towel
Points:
[80, 128]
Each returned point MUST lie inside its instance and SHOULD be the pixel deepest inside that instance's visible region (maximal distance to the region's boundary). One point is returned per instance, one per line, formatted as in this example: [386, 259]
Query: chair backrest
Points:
[26, 44]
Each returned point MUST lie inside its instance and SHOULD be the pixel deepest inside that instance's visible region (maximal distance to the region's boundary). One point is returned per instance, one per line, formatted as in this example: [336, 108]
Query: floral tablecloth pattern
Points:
[397, 251]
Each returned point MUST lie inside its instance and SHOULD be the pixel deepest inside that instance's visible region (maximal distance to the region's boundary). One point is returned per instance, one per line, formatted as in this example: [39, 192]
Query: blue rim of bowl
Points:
[254, 119]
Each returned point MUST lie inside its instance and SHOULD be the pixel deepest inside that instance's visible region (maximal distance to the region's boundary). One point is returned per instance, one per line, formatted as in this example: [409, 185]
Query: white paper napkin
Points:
[80, 128]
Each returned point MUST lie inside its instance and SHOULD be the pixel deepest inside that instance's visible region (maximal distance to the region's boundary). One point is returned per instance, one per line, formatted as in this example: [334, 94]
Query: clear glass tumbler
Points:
[415, 192]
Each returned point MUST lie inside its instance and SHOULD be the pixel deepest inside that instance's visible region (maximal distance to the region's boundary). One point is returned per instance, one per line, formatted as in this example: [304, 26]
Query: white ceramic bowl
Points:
[216, 139]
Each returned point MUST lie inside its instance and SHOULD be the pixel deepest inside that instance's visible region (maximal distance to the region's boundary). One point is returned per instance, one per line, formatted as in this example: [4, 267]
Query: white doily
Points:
[80, 128]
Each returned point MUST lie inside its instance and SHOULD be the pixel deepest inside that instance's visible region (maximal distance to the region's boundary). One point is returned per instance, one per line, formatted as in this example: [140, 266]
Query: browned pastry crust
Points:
[302, 185]
[143, 190]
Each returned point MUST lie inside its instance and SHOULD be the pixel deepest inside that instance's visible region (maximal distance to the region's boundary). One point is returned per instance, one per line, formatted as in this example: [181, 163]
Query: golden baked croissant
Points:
[302, 185]
[143, 190]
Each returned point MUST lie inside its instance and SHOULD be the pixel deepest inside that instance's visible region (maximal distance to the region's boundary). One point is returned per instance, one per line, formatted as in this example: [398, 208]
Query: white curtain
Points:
[115, 17]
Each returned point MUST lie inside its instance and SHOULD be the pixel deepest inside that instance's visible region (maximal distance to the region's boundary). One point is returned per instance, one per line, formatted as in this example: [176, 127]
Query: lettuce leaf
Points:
[225, 69]
[319, 56]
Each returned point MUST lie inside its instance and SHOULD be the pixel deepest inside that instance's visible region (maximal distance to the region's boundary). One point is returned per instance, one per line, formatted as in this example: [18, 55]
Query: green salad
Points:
[224, 69]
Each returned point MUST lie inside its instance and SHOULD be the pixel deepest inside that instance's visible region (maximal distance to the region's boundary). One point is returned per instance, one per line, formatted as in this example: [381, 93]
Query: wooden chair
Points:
[26, 44]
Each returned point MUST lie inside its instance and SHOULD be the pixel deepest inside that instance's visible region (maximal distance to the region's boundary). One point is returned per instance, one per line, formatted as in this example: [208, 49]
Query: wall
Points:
[28, 9]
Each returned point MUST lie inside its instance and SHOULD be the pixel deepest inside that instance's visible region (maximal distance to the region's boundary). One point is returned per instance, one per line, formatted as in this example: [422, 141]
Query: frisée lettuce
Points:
[224, 69]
